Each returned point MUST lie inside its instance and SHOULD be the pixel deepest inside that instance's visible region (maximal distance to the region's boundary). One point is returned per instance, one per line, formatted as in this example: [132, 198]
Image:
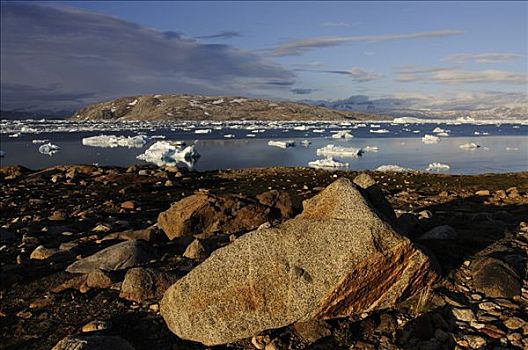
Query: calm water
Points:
[504, 148]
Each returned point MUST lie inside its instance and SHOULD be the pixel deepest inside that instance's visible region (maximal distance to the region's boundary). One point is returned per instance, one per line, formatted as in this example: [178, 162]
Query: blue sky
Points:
[444, 51]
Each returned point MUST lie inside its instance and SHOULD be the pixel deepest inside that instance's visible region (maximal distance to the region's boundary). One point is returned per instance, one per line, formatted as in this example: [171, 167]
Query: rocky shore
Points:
[277, 258]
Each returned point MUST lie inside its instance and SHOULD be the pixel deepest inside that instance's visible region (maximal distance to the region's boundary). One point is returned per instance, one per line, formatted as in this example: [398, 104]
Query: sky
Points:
[66, 54]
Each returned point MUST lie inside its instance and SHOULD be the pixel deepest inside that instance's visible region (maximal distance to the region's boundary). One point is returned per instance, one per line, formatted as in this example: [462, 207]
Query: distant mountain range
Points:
[396, 107]
[39, 114]
[195, 107]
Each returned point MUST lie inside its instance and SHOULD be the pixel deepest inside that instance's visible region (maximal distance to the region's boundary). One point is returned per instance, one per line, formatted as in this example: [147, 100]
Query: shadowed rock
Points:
[94, 342]
[116, 257]
[143, 284]
[205, 214]
[336, 259]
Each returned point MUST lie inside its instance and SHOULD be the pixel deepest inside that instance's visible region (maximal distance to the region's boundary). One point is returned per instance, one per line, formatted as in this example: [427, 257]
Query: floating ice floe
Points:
[169, 153]
[17, 134]
[329, 162]
[281, 144]
[48, 149]
[438, 130]
[332, 150]
[305, 143]
[437, 167]
[37, 141]
[318, 131]
[370, 149]
[392, 167]
[112, 141]
[483, 133]
[229, 136]
[343, 134]
[159, 137]
[469, 145]
[512, 148]
[445, 134]
[202, 131]
[379, 131]
[430, 139]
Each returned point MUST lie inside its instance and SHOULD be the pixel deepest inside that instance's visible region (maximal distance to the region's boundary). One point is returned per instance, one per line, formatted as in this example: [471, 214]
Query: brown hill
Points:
[193, 107]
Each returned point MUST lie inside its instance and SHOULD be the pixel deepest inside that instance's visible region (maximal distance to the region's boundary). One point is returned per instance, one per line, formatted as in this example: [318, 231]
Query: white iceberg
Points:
[112, 141]
[48, 149]
[343, 134]
[469, 145]
[281, 144]
[331, 150]
[329, 162]
[437, 167]
[392, 167]
[169, 153]
[379, 131]
[202, 131]
[429, 139]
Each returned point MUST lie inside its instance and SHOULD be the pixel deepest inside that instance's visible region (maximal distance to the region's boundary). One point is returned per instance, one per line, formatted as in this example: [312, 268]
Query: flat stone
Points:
[195, 251]
[279, 200]
[42, 253]
[444, 232]
[338, 258]
[96, 326]
[465, 315]
[99, 279]
[142, 284]
[475, 341]
[495, 278]
[119, 256]
[93, 342]
[514, 323]
[482, 193]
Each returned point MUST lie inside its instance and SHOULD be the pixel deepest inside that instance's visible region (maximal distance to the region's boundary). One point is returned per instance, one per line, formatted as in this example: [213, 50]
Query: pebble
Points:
[475, 341]
[42, 253]
[463, 314]
[514, 323]
[96, 325]
[25, 315]
[128, 205]
[260, 341]
[489, 306]
[482, 193]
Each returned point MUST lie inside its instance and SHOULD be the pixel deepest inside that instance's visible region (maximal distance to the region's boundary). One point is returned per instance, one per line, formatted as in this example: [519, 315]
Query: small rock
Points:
[40, 303]
[95, 326]
[482, 193]
[514, 323]
[475, 341]
[444, 232]
[465, 315]
[93, 342]
[25, 315]
[312, 331]
[99, 279]
[168, 183]
[102, 228]
[42, 253]
[495, 278]
[260, 341]
[425, 214]
[57, 216]
[142, 284]
[492, 331]
[195, 251]
[128, 205]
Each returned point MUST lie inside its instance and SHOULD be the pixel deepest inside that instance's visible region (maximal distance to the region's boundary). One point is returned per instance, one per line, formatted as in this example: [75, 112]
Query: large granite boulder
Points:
[204, 214]
[336, 258]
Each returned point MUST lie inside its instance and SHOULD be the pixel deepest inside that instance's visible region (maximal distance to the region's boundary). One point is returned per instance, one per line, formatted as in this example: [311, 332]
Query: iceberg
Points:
[392, 167]
[331, 150]
[437, 167]
[470, 145]
[329, 162]
[112, 141]
[48, 149]
[429, 139]
[281, 144]
[343, 134]
[169, 153]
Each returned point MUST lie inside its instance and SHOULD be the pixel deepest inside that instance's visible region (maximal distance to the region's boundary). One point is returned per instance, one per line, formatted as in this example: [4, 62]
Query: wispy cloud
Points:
[298, 47]
[357, 74]
[301, 91]
[452, 75]
[222, 35]
[62, 57]
[483, 58]
[335, 24]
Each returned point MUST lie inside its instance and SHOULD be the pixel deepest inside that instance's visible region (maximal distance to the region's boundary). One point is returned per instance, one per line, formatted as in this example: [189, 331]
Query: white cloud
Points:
[298, 47]
[483, 58]
[452, 75]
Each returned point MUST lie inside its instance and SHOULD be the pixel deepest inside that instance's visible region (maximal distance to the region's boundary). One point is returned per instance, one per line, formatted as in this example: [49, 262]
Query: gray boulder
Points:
[337, 258]
[444, 232]
[119, 256]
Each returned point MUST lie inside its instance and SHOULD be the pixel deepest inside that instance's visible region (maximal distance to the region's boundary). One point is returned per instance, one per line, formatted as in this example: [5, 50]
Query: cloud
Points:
[299, 91]
[483, 58]
[355, 73]
[60, 50]
[452, 75]
[222, 35]
[335, 24]
[298, 47]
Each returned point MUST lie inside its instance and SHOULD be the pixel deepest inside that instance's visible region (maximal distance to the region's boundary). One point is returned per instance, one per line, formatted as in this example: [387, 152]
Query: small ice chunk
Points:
[202, 131]
[300, 128]
[37, 141]
[392, 167]
[438, 130]
[370, 149]
[217, 102]
[282, 144]
[469, 145]
[17, 134]
[305, 143]
[48, 149]
[343, 134]
[429, 139]
[332, 150]
[2, 153]
[318, 131]
[379, 131]
[159, 137]
[442, 134]
[112, 141]
[133, 103]
[329, 162]
[229, 136]
[437, 167]
[512, 148]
